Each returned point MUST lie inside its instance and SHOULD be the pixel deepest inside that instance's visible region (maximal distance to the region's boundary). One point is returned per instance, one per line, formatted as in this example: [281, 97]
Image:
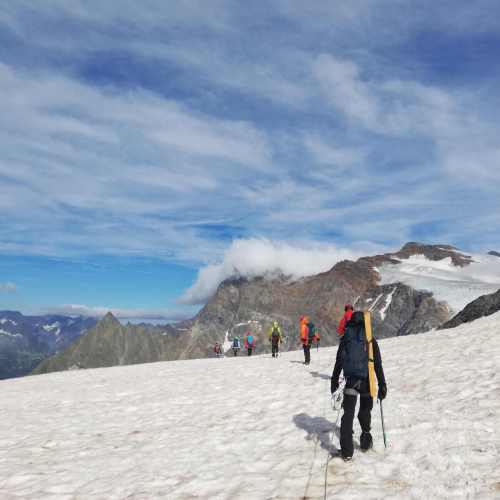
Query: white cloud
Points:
[342, 85]
[8, 287]
[258, 257]
[327, 153]
[465, 143]
[121, 313]
[119, 169]
[116, 164]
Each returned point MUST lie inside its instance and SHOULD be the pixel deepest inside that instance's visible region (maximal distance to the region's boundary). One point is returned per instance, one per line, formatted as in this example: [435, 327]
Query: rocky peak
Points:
[109, 321]
[494, 253]
[434, 252]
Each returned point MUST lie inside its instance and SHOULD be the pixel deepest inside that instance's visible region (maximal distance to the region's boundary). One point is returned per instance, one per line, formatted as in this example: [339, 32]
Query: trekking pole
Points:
[382, 420]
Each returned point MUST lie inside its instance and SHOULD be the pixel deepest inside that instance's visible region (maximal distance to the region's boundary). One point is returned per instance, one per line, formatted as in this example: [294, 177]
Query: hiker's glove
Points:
[334, 386]
[382, 392]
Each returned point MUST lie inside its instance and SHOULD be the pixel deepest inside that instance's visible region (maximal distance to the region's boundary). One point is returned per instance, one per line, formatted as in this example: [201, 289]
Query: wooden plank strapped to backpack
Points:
[371, 361]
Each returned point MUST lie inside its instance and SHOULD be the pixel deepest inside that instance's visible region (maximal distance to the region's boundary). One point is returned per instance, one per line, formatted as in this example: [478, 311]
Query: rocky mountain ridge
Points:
[241, 304]
[110, 343]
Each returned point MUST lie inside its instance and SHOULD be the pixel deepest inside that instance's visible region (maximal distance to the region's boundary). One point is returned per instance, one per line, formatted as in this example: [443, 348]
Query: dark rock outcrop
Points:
[494, 253]
[482, 306]
[398, 309]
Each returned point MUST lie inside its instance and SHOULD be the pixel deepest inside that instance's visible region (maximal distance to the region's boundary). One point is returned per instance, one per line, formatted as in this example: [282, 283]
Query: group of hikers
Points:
[309, 335]
[355, 353]
[275, 338]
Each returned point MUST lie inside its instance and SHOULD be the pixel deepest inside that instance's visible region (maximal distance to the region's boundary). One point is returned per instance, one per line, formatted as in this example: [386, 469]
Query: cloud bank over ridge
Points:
[258, 256]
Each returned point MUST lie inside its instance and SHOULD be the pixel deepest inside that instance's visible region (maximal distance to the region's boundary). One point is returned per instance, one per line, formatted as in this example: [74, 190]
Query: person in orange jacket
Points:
[305, 337]
[348, 310]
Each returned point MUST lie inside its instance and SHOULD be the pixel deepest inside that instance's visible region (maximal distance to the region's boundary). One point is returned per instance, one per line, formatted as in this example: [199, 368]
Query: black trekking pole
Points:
[382, 420]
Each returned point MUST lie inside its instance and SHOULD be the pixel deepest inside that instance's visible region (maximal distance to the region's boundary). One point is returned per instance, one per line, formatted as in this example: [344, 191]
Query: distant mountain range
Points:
[416, 289]
[27, 340]
[110, 343]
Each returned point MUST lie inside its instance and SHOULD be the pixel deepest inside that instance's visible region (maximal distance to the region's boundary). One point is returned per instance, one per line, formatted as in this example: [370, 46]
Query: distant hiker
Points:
[275, 337]
[249, 343]
[218, 349]
[317, 338]
[348, 310]
[307, 337]
[236, 345]
[352, 358]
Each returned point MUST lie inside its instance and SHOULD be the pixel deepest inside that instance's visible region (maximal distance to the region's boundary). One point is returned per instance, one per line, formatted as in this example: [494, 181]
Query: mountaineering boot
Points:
[365, 441]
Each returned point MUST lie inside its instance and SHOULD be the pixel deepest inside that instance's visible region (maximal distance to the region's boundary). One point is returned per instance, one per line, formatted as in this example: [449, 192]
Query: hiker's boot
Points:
[365, 441]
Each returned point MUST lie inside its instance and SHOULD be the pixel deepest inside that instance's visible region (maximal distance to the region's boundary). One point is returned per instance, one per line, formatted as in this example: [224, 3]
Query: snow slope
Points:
[455, 285]
[258, 427]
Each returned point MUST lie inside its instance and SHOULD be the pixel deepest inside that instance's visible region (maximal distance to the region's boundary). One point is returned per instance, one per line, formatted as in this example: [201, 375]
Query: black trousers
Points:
[362, 388]
[275, 349]
[307, 353]
[235, 352]
[250, 351]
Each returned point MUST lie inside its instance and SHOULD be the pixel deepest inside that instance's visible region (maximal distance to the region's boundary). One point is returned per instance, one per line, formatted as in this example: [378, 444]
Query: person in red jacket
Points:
[348, 310]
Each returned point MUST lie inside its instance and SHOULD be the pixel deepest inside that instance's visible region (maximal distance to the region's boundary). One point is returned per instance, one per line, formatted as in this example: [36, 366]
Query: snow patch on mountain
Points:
[3, 321]
[388, 301]
[455, 285]
[9, 334]
[226, 346]
[55, 328]
[123, 432]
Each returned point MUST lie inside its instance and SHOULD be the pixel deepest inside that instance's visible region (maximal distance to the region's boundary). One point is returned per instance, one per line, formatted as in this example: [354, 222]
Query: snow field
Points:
[257, 427]
[455, 285]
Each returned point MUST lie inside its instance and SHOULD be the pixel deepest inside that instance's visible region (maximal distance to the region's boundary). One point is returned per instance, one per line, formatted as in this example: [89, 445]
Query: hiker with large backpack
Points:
[275, 337]
[307, 336]
[249, 343]
[236, 345]
[353, 358]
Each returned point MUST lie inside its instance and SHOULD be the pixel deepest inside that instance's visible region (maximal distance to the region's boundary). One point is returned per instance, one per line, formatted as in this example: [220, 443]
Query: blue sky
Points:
[150, 150]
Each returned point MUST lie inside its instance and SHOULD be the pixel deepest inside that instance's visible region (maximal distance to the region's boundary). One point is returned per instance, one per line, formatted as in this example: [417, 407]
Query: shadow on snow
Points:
[318, 429]
[324, 376]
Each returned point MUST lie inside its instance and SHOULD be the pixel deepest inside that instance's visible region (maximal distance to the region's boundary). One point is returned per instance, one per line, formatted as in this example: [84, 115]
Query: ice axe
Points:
[382, 420]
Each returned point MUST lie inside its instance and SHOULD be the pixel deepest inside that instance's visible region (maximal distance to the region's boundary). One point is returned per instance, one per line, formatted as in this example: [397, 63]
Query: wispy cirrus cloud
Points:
[162, 315]
[291, 121]
[8, 287]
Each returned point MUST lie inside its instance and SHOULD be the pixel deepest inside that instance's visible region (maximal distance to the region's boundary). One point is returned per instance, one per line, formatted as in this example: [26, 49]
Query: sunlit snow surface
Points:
[456, 285]
[258, 427]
